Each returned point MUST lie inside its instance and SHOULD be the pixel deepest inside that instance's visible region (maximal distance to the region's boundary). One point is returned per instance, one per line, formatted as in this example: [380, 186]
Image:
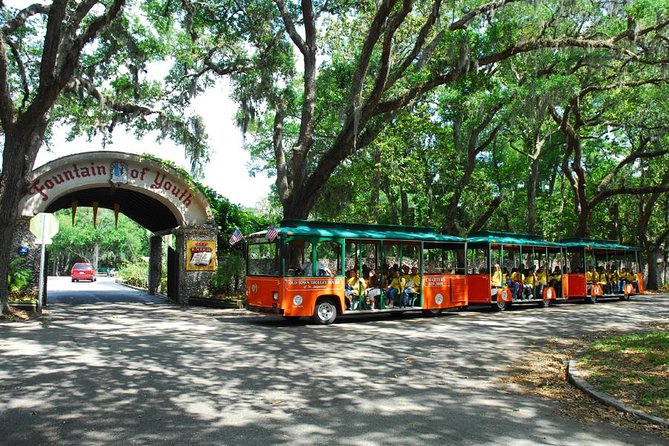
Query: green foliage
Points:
[230, 273]
[116, 245]
[231, 259]
[135, 273]
[19, 276]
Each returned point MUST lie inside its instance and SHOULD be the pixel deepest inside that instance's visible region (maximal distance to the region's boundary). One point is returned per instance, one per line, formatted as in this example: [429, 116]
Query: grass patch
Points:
[633, 368]
[542, 372]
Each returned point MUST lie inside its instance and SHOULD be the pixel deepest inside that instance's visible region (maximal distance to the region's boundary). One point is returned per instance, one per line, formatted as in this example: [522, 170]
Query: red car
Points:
[83, 271]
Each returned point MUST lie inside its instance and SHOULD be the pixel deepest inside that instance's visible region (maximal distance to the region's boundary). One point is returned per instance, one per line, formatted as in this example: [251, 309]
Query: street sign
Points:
[44, 226]
[23, 250]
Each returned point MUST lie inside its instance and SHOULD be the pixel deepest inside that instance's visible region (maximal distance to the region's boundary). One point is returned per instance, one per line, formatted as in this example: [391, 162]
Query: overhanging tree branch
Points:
[483, 218]
[627, 191]
[23, 15]
[466, 19]
[290, 27]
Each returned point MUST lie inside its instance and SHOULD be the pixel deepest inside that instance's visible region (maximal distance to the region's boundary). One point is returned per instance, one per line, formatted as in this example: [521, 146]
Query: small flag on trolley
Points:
[272, 233]
[236, 236]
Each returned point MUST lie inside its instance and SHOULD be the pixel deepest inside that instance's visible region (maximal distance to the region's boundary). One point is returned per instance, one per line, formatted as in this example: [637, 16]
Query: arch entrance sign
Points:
[145, 189]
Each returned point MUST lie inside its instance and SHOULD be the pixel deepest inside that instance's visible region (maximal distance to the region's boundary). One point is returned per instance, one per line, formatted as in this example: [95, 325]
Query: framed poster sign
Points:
[200, 255]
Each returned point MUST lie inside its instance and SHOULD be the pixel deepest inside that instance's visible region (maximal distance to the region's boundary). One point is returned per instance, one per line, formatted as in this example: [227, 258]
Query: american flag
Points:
[236, 236]
[272, 233]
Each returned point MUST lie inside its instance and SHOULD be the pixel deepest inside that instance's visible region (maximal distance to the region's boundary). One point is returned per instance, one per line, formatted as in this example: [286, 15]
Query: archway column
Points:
[193, 275]
[155, 264]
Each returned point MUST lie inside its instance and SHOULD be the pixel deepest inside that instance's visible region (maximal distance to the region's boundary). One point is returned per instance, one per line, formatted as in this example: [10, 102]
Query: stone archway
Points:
[146, 190]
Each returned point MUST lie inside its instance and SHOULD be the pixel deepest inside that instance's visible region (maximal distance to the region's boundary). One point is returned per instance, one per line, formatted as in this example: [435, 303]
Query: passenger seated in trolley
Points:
[632, 278]
[589, 276]
[556, 281]
[540, 283]
[395, 289]
[528, 283]
[589, 279]
[373, 291]
[602, 279]
[495, 279]
[323, 271]
[412, 288]
[613, 278]
[352, 289]
[622, 280]
[506, 280]
[515, 282]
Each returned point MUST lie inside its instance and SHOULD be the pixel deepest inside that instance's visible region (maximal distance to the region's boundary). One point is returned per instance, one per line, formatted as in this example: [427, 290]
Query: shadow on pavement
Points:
[146, 374]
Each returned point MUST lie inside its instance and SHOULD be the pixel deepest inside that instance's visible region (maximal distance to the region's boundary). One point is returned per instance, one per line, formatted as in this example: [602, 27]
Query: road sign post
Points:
[43, 226]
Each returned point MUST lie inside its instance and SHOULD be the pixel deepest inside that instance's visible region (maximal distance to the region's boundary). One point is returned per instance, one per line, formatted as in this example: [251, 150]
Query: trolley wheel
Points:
[325, 312]
[544, 303]
[290, 318]
[501, 305]
[433, 313]
[591, 299]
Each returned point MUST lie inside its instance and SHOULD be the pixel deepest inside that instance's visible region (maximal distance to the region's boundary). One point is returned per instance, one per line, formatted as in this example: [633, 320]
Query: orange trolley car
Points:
[598, 269]
[301, 273]
[498, 263]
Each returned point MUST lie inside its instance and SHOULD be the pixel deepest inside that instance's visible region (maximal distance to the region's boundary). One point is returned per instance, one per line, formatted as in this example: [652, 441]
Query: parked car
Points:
[104, 270]
[83, 271]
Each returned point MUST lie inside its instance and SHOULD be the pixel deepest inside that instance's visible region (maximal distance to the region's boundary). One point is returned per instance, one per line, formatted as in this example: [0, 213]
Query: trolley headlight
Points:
[297, 300]
[275, 295]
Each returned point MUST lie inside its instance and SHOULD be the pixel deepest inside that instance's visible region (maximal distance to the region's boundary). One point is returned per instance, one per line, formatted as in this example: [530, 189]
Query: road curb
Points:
[575, 377]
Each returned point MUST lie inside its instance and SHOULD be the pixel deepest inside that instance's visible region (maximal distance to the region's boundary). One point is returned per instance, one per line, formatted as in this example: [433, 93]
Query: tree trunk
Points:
[96, 255]
[298, 210]
[405, 207]
[583, 216]
[375, 203]
[651, 277]
[22, 142]
[532, 190]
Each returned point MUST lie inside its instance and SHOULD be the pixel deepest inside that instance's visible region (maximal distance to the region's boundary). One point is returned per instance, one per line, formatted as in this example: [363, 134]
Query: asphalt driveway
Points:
[139, 371]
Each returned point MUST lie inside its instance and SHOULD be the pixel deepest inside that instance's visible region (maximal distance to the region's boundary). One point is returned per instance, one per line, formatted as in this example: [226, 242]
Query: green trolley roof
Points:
[509, 238]
[589, 243]
[325, 230]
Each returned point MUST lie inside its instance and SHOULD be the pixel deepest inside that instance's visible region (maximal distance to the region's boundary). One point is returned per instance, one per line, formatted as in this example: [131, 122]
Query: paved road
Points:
[145, 372]
[61, 290]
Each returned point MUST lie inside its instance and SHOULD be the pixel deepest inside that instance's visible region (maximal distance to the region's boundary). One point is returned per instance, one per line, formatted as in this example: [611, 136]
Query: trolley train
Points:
[322, 270]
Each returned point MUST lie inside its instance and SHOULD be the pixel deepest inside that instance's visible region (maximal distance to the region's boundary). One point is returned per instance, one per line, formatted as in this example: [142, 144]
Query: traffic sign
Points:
[44, 226]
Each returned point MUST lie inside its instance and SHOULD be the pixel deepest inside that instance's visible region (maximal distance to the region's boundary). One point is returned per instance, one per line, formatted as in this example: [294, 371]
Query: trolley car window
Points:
[298, 258]
[477, 260]
[263, 259]
[328, 254]
[575, 261]
[443, 259]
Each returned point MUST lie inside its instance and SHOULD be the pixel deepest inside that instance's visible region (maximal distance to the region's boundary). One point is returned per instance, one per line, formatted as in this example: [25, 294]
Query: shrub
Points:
[19, 276]
[135, 274]
[229, 276]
